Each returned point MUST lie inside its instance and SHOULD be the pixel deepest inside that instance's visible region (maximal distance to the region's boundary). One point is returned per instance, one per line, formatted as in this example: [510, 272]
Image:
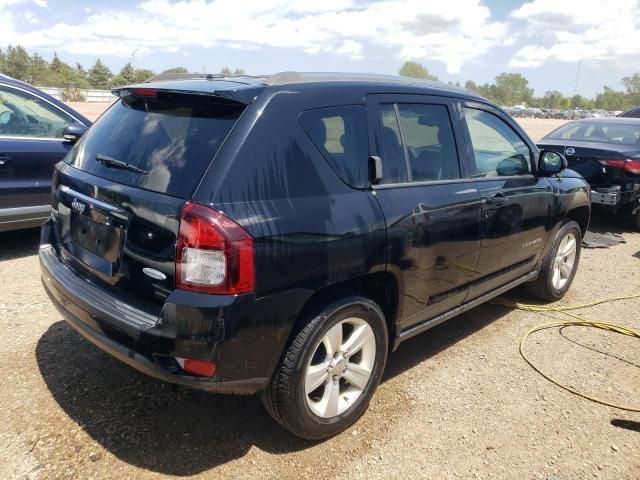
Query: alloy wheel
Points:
[564, 261]
[340, 367]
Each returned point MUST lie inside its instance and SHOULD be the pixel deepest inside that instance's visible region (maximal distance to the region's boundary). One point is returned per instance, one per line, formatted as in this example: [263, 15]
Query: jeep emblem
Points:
[78, 206]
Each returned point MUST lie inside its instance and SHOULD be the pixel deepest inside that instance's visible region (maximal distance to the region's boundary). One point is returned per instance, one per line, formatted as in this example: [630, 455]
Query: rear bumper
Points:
[617, 200]
[142, 363]
[243, 335]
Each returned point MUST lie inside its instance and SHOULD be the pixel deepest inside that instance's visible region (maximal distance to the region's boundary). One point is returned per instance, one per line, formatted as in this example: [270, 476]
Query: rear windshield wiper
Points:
[113, 163]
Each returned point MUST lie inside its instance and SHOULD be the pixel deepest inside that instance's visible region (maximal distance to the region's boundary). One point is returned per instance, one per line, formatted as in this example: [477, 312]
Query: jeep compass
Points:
[282, 235]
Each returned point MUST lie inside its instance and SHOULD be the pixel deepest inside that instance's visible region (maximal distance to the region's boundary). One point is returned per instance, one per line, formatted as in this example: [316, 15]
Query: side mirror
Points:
[73, 131]
[375, 169]
[551, 163]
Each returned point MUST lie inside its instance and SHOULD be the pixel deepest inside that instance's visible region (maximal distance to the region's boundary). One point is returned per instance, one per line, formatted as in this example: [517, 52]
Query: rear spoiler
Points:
[241, 96]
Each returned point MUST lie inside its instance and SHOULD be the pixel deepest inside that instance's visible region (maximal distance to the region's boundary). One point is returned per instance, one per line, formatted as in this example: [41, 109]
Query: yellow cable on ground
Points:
[580, 322]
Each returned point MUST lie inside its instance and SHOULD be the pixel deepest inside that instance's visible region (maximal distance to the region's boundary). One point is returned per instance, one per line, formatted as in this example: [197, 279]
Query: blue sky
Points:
[545, 40]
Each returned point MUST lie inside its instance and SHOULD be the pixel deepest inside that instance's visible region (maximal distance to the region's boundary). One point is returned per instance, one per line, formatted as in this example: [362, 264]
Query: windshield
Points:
[163, 143]
[623, 134]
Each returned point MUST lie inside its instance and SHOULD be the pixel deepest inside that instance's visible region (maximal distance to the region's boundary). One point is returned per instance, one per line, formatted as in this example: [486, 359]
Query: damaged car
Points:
[607, 153]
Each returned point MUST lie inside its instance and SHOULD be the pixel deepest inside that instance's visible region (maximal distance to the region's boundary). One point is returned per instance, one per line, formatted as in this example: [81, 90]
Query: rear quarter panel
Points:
[310, 230]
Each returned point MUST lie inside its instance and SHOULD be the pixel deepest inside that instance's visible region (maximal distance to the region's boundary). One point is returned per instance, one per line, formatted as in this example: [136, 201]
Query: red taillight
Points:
[214, 254]
[629, 165]
[203, 368]
[633, 166]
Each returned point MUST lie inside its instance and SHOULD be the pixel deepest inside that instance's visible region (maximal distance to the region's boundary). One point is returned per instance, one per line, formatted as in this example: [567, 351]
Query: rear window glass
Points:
[340, 133]
[607, 133]
[172, 138]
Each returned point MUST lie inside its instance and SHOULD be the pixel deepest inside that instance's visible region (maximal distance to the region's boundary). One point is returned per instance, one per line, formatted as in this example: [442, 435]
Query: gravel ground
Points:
[456, 402]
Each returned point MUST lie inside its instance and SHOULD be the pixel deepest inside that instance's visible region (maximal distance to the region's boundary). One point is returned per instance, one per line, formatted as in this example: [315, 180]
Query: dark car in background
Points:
[633, 113]
[282, 235]
[606, 151]
[36, 132]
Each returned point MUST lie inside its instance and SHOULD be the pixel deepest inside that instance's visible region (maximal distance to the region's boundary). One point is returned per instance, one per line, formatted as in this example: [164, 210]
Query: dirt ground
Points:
[455, 402]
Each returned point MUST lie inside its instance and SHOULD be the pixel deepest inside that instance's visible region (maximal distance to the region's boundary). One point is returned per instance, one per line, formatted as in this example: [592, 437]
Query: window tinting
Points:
[429, 141]
[394, 165]
[173, 137]
[25, 115]
[497, 149]
[340, 133]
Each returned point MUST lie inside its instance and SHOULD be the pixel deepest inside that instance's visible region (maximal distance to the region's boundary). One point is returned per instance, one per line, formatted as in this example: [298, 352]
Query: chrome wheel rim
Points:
[564, 261]
[340, 367]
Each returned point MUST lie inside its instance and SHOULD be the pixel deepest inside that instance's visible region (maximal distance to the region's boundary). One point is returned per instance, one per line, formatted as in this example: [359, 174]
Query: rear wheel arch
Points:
[380, 287]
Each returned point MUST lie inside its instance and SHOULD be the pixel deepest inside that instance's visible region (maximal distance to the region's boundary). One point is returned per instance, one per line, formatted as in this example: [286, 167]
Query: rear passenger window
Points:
[418, 143]
[431, 147]
[498, 150]
[340, 133]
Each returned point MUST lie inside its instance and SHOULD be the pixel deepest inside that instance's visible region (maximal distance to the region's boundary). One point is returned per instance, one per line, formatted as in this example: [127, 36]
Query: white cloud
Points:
[573, 30]
[452, 32]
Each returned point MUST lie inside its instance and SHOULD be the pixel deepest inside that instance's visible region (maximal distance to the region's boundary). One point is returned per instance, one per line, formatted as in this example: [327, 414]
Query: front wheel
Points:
[559, 265]
[330, 371]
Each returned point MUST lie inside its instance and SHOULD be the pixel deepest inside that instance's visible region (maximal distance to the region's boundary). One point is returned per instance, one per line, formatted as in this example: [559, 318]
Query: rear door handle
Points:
[496, 199]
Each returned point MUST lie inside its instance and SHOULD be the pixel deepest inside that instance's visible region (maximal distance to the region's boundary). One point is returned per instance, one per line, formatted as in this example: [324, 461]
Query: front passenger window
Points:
[498, 150]
[25, 115]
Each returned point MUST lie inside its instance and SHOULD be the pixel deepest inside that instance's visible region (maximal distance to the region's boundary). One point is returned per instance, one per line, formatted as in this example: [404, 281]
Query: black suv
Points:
[281, 235]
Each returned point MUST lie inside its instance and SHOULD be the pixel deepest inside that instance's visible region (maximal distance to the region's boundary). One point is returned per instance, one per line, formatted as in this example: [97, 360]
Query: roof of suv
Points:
[244, 87]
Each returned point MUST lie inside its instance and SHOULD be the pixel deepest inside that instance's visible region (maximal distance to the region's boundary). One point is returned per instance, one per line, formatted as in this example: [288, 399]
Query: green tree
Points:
[471, 85]
[142, 75]
[610, 99]
[632, 85]
[99, 75]
[38, 69]
[80, 71]
[511, 89]
[554, 99]
[17, 62]
[578, 101]
[56, 64]
[128, 75]
[415, 70]
[227, 72]
[176, 70]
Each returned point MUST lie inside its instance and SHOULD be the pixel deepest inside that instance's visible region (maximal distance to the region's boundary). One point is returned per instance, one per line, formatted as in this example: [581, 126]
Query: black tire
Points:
[543, 287]
[285, 397]
[636, 221]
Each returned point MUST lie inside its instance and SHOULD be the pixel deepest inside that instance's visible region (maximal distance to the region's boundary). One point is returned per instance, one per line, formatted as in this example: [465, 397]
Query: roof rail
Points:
[165, 77]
